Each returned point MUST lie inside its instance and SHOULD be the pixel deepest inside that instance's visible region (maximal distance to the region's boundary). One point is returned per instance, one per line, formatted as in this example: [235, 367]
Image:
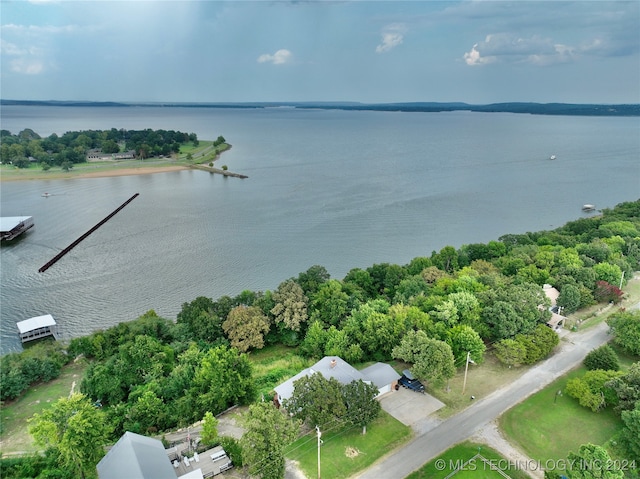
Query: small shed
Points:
[38, 327]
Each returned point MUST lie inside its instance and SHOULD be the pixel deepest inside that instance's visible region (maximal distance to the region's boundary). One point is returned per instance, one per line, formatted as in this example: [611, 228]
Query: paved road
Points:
[424, 448]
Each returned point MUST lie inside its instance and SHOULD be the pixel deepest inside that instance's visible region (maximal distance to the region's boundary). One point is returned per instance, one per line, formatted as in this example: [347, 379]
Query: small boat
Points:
[588, 207]
[46, 195]
[552, 157]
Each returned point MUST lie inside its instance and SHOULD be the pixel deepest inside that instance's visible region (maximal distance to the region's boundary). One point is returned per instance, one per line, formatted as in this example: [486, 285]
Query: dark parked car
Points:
[409, 381]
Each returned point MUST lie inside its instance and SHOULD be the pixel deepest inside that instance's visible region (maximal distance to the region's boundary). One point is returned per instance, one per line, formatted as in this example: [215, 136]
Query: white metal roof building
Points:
[136, 457]
[38, 327]
[13, 226]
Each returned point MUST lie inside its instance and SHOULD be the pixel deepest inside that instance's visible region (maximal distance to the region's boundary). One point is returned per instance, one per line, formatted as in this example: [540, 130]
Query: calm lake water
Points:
[335, 188]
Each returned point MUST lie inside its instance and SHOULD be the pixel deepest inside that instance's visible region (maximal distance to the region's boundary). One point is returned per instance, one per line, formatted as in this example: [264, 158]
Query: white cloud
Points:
[26, 66]
[392, 36]
[278, 58]
[507, 48]
[473, 57]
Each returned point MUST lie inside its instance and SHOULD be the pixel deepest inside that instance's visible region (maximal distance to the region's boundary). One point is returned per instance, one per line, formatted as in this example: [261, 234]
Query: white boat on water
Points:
[588, 207]
[552, 157]
[46, 195]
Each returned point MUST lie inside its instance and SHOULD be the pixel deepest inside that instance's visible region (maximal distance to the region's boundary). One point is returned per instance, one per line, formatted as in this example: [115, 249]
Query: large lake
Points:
[341, 189]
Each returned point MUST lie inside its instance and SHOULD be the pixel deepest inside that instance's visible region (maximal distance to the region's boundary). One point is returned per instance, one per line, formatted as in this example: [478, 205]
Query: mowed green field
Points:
[347, 451]
[549, 425]
[477, 468]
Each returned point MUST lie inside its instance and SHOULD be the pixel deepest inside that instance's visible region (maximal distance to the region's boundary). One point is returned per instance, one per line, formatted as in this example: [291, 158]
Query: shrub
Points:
[603, 357]
[233, 449]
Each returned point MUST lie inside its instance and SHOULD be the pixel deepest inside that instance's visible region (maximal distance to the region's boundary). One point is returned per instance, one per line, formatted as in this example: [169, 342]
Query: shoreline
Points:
[127, 171]
[106, 170]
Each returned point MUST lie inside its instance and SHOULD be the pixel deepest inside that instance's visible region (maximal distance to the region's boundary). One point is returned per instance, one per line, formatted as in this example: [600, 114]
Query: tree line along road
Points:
[458, 428]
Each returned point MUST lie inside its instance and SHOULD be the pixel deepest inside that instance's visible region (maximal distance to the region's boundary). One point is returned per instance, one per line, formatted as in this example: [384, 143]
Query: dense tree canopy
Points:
[75, 428]
[73, 146]
[154, 373]
[625, 326]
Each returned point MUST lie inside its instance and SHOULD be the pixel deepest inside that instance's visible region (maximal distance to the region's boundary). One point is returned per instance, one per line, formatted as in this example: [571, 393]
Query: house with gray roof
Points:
[380, 374]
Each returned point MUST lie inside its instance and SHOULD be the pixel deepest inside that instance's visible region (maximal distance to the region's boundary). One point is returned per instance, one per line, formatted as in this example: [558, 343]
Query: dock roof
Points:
[7, 223]
[36, 323]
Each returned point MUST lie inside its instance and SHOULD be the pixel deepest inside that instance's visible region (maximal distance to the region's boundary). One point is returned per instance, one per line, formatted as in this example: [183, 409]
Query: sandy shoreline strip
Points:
[131, 171]
[96, 174]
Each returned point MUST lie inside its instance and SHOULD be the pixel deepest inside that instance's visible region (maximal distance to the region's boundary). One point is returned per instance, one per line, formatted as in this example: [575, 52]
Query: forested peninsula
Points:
[27, 155]
[432, 315]
[506, 107]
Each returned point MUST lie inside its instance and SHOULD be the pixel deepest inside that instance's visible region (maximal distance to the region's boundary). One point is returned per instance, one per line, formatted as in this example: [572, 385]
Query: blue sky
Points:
[367, 51]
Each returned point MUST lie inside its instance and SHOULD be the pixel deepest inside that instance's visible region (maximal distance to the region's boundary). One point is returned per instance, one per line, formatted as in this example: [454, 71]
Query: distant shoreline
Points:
[564, 109]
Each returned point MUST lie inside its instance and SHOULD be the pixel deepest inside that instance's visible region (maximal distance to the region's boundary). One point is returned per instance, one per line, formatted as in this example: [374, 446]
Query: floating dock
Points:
[38, 327]
[13, 226]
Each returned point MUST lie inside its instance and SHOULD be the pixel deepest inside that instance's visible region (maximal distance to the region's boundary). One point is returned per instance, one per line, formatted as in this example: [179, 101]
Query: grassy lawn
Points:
[274, 365]
[476, 469]
[482, 380]
[549, 426]
[346, 451]
[14, 437]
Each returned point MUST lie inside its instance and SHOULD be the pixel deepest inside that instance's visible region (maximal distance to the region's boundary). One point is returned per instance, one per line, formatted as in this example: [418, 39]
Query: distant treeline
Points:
[574, 109]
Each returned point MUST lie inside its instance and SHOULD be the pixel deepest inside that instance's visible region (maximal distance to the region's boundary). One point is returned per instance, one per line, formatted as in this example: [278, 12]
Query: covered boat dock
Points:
[13, 226]
[38, 327]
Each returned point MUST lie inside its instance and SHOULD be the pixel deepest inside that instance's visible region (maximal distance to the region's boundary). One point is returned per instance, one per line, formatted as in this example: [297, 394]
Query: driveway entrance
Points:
[411, 408]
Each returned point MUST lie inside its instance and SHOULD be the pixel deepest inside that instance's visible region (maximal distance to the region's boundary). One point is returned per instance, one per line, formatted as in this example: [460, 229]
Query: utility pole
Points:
[319, 442]
[466, 368]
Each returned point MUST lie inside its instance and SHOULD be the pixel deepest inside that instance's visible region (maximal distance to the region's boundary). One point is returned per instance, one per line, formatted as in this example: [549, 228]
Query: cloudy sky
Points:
[367, 51]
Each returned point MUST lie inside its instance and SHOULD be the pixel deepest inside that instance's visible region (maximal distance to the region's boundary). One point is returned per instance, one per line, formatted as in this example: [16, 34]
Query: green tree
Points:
[209, 432]
[569, 298]
[360, 400]
[611, 273]
[201, 318]
[246, 326]
[268, 431]
[503, 320]
[148, 413]
[314, 341]
[75, 428]
[625, 326]
[604, 358]
[432, 359]
[316, 400]
[463, 339]
[630, 434]
[539, 343]
[515, 309]
[593, 462]
[223, 378]
[311, 280]
[593, 389]
[627, 388]
[510, 352]
[290, 305]
[330, 303]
